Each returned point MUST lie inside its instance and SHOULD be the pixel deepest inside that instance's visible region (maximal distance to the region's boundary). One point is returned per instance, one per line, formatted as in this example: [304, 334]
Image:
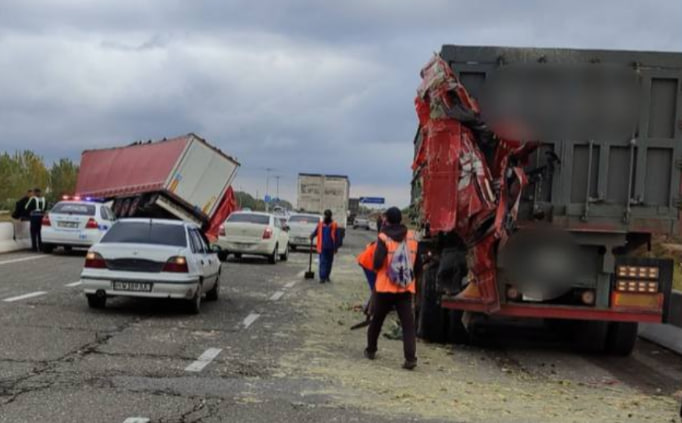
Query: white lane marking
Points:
[290, 284]
[17, 260]
[136, 420]
[203, 360]
[277, 295]
[250, 319]
[23, 297]
[72, 284]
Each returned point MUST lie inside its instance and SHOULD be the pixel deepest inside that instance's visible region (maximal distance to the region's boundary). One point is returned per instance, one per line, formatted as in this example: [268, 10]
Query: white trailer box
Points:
[317, 193]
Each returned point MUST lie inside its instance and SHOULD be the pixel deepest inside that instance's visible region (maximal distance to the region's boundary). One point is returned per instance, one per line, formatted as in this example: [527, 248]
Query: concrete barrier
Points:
[14, 236]
[669, 335]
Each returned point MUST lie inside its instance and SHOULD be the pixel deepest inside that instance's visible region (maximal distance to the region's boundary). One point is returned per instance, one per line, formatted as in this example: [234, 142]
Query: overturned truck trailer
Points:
[181, 178]
[540, 177]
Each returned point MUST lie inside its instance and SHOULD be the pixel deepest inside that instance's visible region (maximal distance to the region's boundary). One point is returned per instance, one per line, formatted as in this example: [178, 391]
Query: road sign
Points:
[267, 199]
[372, 200]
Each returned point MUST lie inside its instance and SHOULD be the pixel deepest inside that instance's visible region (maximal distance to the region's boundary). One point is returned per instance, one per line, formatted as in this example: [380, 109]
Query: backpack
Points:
[400, 270]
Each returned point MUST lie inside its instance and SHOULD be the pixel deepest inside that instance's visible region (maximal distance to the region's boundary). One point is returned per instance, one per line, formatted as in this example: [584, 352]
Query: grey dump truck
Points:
[601, 183]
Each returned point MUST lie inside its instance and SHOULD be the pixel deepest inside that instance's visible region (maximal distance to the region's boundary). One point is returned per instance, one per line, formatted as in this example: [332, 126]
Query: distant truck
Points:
[604, 179]
[317, 193]
[183, 177]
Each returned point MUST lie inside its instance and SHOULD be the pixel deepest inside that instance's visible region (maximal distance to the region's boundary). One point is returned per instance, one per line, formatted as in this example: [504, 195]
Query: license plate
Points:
[132, 286]
[67, 224]
[302, 240]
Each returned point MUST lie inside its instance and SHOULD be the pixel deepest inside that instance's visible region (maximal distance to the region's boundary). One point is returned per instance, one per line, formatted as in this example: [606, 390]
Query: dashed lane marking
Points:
[277, 295]
[250, 319]
[25, 296]
[136, 420]
[203, 360]
[17, 260]
[72, 284]
[290, 284]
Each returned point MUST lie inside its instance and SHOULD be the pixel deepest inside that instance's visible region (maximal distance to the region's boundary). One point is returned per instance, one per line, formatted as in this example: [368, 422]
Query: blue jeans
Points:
[326, 261]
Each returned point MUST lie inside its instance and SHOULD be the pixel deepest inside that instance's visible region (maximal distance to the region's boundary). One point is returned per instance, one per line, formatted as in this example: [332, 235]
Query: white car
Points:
[152, 258]
[75, 224]
[361, 222]
[254, 233]
[301, 226]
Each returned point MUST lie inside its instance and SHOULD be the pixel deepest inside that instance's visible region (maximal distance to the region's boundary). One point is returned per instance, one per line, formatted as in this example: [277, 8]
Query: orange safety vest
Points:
[334, 227]
[366, 257]
[383, 283]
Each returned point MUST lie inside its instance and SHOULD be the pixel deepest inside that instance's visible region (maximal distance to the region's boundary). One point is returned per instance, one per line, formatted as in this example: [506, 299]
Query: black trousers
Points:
[402, 303]
[36, 225]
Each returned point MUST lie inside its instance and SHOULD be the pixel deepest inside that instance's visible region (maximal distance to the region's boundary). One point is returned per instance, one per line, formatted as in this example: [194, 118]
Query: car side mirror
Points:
[215, 248]
[287, 228]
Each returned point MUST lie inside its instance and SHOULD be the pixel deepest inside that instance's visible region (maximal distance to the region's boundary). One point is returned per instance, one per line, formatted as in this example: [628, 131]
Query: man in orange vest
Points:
[328, 243]
[395, 262]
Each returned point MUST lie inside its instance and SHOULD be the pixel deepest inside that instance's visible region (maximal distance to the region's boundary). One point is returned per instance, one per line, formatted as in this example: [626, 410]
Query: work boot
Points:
[370, 355]
[409, 364]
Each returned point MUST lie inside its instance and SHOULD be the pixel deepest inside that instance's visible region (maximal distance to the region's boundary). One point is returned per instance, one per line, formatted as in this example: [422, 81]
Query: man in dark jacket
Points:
[36, 207]
[20, 212]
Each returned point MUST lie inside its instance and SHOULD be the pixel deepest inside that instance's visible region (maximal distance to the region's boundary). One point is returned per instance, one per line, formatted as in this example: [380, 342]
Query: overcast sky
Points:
[299, 86]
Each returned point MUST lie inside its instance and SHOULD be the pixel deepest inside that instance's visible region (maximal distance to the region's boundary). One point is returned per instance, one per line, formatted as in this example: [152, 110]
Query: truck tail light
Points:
[222, 230]
[46, 221]
[635, 300]
[267, 233]
[92, 224]
[641, 287]
[177, 264]
[94, 261]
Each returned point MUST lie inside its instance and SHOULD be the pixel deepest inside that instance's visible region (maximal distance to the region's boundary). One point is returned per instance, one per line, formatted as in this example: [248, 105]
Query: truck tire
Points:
[456, 332]
[621, 338]
[589, 336]
[432, 321]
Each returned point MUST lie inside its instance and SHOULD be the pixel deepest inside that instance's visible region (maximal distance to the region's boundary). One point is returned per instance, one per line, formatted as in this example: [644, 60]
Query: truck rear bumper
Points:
[560, 312]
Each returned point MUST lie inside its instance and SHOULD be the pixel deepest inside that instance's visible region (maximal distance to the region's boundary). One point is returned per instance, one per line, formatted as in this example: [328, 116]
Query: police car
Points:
[75, 222]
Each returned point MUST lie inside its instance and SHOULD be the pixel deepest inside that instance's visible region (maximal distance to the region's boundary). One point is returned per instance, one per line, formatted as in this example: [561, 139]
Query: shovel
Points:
[310, 274]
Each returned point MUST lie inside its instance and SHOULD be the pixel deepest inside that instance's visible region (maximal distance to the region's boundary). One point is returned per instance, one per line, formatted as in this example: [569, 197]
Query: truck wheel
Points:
[589, 336]
[621, 338]
[456, 332]
[432, 322]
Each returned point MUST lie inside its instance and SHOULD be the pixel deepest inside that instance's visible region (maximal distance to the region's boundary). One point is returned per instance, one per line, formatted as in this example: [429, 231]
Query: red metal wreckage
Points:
[471, 178]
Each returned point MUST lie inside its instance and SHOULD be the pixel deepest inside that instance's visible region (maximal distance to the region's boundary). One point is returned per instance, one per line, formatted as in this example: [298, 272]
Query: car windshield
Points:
[74, 209]
[258, 219]
[146, 233]
[304, 219]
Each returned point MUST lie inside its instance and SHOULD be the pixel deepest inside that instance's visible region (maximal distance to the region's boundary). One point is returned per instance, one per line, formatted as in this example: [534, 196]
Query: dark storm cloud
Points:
[295, 85]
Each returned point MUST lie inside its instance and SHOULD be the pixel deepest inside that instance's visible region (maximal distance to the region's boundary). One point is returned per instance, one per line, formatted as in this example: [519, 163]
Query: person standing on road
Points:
[366, 261]
[36, 207]
[395, 260]
[20, 207]
[328, 242]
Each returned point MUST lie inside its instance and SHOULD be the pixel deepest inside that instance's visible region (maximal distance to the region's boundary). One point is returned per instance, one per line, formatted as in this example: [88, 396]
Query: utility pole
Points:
[267, 187]
[277, 177]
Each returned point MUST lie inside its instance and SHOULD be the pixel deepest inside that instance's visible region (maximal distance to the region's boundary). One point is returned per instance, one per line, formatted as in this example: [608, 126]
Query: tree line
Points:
[24, 170]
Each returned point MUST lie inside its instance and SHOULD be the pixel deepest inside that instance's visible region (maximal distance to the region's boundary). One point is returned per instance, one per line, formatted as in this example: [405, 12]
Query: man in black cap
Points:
[395, 262]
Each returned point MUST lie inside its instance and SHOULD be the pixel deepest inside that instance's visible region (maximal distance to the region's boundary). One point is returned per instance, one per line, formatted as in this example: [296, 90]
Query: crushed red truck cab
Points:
[540, 178]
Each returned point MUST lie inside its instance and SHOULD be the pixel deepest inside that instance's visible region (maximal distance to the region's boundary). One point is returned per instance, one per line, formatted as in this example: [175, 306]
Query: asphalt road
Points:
[141, 360]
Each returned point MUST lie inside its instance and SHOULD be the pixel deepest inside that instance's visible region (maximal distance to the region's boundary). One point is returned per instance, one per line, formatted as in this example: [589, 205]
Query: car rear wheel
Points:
[285, 256]
[212, 295]
[272, 258]
[194, 305]
[292, 247]
[96, 301]
[47, 248]
[238, 255]
[222, 255]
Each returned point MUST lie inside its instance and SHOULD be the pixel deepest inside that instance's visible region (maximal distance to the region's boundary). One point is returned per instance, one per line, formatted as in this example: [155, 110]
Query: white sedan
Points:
[75, 224]
[301, 226]
[152, 258]
[254, 233]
